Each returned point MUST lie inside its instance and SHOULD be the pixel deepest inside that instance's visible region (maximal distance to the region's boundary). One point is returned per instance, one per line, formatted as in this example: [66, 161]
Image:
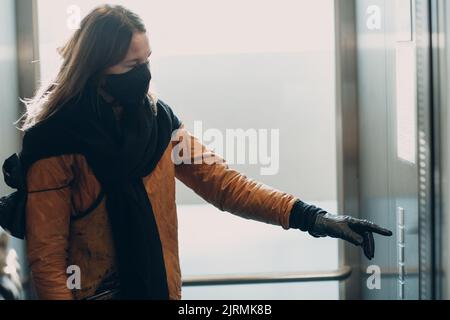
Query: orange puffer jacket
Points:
[67, 222]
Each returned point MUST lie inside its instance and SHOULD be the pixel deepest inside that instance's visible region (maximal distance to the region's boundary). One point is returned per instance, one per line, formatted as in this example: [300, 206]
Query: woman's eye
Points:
[135, 65]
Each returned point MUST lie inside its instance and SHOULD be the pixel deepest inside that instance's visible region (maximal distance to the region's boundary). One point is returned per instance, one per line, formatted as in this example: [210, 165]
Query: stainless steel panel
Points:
[388, 155]
[396, 142]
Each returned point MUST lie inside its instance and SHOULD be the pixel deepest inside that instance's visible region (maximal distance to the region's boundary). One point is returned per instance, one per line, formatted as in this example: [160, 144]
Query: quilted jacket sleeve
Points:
[48, 216]
[208, 175]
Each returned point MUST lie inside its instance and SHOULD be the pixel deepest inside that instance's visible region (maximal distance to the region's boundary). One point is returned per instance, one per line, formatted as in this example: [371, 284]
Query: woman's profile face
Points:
[138, 53]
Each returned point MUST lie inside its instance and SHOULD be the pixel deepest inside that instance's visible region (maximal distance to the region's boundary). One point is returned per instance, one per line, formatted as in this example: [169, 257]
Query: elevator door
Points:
[394, 144]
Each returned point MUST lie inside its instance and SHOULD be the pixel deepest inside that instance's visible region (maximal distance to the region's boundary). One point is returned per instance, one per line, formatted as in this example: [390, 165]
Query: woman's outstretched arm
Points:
[211, 178]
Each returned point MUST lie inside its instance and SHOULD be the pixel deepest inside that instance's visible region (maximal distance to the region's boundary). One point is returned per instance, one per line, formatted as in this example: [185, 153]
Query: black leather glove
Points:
[320, 223]
[359, 232]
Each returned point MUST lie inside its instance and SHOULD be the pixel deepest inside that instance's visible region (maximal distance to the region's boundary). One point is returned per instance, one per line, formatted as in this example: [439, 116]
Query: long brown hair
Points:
[101, 41]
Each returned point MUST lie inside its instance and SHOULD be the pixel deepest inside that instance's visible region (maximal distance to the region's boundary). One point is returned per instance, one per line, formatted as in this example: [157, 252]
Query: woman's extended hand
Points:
[359, 232]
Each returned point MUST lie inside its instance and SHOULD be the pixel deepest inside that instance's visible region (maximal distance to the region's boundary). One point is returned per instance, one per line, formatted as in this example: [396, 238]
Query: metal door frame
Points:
[439, 14]
[28, 77]
[347, 143]
[426, 150]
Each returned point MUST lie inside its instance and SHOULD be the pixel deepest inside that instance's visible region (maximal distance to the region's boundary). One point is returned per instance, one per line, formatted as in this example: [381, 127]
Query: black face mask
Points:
[131, 87]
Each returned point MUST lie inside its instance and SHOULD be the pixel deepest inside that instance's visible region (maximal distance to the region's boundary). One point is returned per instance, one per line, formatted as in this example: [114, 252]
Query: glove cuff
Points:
[303, 216]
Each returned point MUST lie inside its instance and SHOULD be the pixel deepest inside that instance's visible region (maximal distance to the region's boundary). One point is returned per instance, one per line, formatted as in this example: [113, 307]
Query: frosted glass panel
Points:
[213, 242]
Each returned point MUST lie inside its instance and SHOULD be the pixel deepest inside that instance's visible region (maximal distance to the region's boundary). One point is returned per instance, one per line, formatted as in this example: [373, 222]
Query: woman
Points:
[100, 175]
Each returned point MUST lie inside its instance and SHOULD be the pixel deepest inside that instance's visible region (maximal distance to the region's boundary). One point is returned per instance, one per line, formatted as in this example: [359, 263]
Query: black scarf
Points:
[86, 125]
